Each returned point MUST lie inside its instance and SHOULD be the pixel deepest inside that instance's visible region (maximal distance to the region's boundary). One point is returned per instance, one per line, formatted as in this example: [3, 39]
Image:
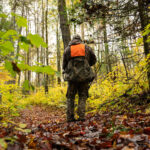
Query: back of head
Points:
[75, 40]
[77, 37]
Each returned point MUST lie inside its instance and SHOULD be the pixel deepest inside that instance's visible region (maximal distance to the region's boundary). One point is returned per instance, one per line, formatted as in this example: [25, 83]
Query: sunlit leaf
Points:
[3, 15]
[22, 125]
[139, 42]
[26, 85]
[9, 67]
[9, 33]
[24, 46]
[3, 144]
[6, 48]
[36, 40]
[27, 130]
[21, 22]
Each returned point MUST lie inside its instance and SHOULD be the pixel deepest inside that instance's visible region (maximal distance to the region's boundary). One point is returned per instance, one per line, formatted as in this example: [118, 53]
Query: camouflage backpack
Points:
[79, 70]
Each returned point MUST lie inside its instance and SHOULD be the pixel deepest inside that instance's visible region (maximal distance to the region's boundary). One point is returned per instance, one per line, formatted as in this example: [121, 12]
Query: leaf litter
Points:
[46, 129]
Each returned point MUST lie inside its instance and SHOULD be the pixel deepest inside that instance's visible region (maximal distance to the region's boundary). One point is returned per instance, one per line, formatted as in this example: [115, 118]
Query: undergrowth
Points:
[114, 92]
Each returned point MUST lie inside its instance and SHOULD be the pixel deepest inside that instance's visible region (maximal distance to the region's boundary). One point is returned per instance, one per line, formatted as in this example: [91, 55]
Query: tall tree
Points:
[46, 28]
[144, 18]
[58, 52]
[107, 57]
[64, 24]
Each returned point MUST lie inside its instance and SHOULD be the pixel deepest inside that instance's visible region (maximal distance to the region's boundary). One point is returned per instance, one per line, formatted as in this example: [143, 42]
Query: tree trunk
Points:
[42, 78]
[64, 24]
[82, 31]
[18, 50]
[29, 51]
[37, 49]
[124, 63]
[143, 12]
[58, 53]
[46, 28]
[107, 60]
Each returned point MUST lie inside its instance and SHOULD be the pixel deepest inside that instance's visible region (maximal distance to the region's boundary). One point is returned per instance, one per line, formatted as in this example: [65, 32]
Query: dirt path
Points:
[50, 131]
[35, 115]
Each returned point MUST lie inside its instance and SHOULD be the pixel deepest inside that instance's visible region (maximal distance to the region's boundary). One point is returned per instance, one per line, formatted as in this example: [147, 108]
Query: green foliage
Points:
[26, 85]
[9, 34]
[145, 32]
[21, 22]
[38, 69]
[6, 48]
[3, 144]
[4, 22]
[24, 46]
[9, 67]
[2, 15]
[7, 39]
[36, 40]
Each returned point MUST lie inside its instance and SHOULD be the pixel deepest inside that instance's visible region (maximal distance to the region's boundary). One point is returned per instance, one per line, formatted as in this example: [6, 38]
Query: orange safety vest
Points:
[78, 50]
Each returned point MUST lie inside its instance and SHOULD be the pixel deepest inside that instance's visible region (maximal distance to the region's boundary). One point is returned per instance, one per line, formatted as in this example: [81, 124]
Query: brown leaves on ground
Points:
[50, 131]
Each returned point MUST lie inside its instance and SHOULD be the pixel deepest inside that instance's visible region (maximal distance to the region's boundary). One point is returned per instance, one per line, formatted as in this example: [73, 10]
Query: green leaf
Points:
[23, 66]
[36, 40]
[39, 69]
[48, 70]
[3, 15]
[21, 22]
[22, 125]
[23, 130]
[9, 67]
[26, 85]
[3, 144]
[6, 48]
[139, 41]
[2, 33]
[24, 46]
[45, 69]
[146, 32]
[9, 33]
[27, 130]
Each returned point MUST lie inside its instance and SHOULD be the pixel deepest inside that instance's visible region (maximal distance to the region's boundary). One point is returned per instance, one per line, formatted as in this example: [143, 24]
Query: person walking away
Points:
[77, 61]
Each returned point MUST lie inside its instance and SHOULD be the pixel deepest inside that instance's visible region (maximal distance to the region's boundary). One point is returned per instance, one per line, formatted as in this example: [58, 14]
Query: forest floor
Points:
[45, 128]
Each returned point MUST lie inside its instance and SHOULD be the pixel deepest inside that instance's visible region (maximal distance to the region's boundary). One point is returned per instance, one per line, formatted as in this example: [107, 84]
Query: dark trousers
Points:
[80, 88]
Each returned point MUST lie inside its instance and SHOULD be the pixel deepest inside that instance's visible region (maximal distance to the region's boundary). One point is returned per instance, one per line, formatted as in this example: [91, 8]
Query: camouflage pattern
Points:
[89, 54]
[70, 109]
[76, 87]
[82, 89]
[78, 70]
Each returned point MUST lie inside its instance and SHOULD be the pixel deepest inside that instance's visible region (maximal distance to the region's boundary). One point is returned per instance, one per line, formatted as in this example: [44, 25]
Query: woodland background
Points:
[34, 34]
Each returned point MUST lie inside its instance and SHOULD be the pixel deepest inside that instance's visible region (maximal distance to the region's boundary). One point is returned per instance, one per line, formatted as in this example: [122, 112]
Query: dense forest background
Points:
[34, 34]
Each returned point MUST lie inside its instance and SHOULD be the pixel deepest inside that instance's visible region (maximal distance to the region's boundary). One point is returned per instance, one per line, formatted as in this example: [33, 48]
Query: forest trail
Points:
[49, 130]
[35, 115]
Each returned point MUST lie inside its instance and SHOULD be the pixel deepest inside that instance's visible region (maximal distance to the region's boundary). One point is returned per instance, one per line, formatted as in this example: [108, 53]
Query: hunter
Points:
[77, 61]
